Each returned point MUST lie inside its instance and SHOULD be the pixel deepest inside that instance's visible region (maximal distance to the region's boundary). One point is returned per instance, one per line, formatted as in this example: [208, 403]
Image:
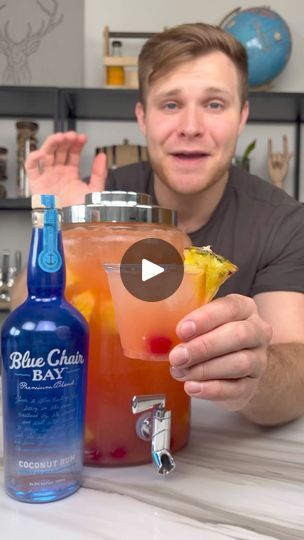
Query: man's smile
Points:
[186, 156]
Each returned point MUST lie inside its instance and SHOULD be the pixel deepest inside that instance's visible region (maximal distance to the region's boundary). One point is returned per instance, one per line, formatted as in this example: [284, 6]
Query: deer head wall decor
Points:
[17, 69]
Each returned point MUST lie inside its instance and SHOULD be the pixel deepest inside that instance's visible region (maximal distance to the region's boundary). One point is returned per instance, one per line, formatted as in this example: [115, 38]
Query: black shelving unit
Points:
[281, 108]
[118, 104]
[15, 204]
[30, 102]
[96, 104]
[68, 105]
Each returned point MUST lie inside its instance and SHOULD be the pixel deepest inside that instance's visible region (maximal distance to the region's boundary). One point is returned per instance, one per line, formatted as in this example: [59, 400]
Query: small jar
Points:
[26, 143]
[2, 191]
[116, 74]
[3, 163]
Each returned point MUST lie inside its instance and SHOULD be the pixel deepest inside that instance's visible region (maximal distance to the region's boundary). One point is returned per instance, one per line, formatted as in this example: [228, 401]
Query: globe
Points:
[267, 40]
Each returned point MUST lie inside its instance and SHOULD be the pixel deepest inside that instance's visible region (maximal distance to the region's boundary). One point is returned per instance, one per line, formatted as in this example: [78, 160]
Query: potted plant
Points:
[244, 159]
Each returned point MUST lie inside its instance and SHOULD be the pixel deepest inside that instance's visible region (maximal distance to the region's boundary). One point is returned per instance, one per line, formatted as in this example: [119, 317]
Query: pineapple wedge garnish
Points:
[216, 268]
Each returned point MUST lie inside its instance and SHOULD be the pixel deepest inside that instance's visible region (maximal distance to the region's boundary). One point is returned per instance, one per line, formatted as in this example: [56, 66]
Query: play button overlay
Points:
[152, 269]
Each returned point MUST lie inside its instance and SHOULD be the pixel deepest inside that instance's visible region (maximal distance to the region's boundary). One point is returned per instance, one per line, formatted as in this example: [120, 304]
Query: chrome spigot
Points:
[156, 426]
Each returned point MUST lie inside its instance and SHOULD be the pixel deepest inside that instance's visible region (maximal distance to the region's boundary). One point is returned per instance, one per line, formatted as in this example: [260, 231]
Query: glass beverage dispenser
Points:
[117, 425]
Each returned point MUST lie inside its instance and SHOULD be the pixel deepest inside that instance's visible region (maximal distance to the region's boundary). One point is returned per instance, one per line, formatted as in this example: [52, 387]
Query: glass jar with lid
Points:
[26, 143]
[116, 72]
[95, 233]
[2, 191]
[3, 163]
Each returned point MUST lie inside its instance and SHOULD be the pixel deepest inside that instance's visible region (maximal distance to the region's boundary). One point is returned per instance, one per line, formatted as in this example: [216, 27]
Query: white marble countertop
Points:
[233, 481]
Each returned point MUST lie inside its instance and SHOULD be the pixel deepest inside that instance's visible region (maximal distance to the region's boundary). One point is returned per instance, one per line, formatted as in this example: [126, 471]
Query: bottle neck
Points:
[46, 268]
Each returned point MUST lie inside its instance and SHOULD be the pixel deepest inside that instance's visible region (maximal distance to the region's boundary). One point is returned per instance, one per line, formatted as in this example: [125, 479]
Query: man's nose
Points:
[191, 122]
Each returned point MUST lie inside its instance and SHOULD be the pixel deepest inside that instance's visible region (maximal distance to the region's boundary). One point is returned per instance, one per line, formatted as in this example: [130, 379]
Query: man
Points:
[244, 350]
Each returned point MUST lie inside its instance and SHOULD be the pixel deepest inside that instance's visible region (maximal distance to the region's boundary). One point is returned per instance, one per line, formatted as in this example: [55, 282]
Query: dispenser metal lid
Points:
[114, 207]
[78, 213]
[121, 198]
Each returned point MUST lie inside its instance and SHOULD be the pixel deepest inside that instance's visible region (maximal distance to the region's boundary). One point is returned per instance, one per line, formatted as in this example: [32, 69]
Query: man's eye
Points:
[215, 105]
[171, 106]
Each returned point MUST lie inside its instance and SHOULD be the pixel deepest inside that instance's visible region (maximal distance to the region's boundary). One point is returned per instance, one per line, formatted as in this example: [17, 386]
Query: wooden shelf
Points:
[131, 80]
[119, 61]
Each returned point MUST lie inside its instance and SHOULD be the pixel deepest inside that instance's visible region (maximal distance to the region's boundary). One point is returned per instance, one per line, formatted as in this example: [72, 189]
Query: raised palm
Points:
[54, 169]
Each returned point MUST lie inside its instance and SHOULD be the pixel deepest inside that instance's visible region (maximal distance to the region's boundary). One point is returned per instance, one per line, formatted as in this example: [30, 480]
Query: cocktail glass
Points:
[147, 329]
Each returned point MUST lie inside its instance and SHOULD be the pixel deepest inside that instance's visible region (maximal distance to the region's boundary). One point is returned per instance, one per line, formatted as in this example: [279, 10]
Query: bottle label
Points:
[45, 421]
[50, 259]
[51, 368]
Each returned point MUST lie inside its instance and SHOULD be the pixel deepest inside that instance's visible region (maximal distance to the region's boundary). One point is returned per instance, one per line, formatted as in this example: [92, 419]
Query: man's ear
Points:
[244, 116]
[140, 115]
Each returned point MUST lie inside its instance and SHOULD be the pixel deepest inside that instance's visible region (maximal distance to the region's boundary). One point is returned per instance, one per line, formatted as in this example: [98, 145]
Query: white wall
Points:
[144, 15]
[152, 16]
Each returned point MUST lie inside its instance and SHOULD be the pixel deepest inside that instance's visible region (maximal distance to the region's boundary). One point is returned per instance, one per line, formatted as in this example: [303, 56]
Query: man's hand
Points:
[224, 351]
[54, 168]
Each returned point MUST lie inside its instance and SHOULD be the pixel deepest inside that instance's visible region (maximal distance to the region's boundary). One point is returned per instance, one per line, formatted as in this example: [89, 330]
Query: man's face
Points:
[192, 121]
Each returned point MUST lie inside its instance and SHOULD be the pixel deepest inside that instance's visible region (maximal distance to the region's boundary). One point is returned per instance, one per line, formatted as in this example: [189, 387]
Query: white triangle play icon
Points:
[150, 270]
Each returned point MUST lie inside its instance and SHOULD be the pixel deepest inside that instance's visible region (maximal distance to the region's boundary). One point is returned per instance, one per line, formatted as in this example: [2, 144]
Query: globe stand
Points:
[232, 12]
[263, 88]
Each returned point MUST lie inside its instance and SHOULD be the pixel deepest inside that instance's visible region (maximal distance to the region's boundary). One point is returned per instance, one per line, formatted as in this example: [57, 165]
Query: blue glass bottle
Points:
[44, 346]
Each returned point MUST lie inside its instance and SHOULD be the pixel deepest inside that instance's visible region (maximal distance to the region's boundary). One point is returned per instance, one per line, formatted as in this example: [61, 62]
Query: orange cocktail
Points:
[147, 329]
[113, 379]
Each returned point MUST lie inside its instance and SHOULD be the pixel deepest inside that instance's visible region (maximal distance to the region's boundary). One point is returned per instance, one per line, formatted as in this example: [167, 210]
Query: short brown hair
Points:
[167, 50]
